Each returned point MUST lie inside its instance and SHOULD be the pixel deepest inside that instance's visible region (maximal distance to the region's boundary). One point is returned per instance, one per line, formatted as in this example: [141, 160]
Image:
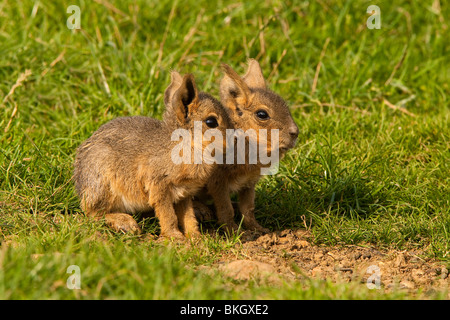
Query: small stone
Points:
[357, 255]
[317, 272]
[367, 255]
[406, 285]
[318, 256]
[303, 244]
[418, 275]
[444, 272]
[400, 261]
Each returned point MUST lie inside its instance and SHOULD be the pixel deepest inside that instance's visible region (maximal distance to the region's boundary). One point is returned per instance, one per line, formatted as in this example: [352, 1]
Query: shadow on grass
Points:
[308, 188]
[293, 204]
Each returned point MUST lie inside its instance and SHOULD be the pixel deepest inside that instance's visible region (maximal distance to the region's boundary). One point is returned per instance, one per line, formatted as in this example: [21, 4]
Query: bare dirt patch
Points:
[290, 254]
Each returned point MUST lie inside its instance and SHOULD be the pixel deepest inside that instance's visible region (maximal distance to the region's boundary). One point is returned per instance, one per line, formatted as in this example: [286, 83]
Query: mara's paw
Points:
[122, 222]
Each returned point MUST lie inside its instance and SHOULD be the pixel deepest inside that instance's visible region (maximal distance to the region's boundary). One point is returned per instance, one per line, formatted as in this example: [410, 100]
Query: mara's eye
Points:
[212, 122]
[261, 114]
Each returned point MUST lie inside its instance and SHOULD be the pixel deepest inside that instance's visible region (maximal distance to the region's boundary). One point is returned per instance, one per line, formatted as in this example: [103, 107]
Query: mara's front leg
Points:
[186, 218]
[162, 203]
[247, 208]
[219, 191]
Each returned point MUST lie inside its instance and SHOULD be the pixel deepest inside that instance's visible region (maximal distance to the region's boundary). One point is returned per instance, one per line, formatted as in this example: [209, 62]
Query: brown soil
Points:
[290, 254]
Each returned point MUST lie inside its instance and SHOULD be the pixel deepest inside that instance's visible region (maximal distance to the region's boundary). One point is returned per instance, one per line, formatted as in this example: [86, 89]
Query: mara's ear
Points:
[175, 83]
[254, 77]
[233, 90]
[185, 100]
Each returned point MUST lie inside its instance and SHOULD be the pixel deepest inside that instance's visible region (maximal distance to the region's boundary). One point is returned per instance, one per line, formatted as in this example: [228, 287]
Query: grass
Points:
[371, 164]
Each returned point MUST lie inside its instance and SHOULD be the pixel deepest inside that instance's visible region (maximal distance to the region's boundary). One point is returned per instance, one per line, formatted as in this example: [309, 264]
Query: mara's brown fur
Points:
[248, 101]
[125, 167]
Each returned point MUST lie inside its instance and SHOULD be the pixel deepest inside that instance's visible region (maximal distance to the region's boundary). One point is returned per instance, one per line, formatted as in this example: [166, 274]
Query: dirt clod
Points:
[248, 269]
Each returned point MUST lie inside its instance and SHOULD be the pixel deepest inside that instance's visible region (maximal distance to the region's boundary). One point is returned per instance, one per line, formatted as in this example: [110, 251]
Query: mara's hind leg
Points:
[247, 208]
[202, 211]
[119, 222]
[99, 202]
[122, 222]
[219, 191]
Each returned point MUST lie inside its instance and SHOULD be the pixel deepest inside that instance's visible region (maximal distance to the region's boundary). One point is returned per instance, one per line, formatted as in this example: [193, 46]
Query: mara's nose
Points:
[293, 131]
